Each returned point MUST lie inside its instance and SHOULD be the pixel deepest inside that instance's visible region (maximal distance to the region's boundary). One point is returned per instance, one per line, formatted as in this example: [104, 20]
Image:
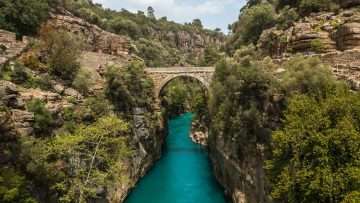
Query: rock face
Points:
[348, 34]
[148, 145]
[305, 38]
[243, 178]
[97, 39]
[10, 47]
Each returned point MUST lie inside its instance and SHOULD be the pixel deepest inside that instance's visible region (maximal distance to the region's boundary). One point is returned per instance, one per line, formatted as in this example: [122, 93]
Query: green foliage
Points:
[18, 74]
[157, 40]
[23, 16]
[307, 76]
[308, 6]
[125, 27]
[197, 23]
[44, 121]
[83, 82]
[317, 45]
[155, 54]
[240, 94]
[183, 95]
[13, 187]
[63, 50]
[315, 146]
[251, 24]
[287, 17]
[74, 166]
[316, 153]
[129, 87]
[211, 56]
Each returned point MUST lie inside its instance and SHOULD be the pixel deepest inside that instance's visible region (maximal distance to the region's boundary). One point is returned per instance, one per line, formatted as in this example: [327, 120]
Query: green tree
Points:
[316, 153]
[74, 166]
[44, 121]
[211, 56]
[150, 12]
[251, 24]
[13, 187]
[23, 16]
[63, 50]
[197, 23]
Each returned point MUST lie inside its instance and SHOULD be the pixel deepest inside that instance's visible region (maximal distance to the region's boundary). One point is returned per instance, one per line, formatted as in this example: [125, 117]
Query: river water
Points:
[182, 175]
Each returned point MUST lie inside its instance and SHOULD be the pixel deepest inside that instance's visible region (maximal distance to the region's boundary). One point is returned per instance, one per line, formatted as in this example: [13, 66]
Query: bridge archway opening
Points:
[183, 93]
[186, 78]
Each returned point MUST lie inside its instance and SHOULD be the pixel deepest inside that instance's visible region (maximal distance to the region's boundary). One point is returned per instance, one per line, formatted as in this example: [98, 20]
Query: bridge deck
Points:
[179, 69]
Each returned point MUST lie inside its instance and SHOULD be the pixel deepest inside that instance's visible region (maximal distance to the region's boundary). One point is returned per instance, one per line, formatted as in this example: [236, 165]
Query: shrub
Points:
[19, 75]
[63, 49]
[317, 45]
[83, 82]
[44, 121]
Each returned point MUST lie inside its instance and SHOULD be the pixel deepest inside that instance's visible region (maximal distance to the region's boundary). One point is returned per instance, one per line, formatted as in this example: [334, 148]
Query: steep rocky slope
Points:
[331, 36]
[101, 48]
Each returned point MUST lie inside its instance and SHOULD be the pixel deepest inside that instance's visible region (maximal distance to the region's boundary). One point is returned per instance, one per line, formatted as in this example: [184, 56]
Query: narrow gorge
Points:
[109, 106]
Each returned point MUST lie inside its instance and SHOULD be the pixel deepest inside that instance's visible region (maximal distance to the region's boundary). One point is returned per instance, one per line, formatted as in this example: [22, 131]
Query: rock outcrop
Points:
[10, 46]
[98, 40]
[305, 38]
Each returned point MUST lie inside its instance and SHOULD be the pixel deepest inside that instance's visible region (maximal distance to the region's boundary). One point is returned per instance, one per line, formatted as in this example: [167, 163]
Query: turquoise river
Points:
[182, 175]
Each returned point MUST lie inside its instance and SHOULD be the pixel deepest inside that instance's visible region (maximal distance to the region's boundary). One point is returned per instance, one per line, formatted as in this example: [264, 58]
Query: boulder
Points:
[59, 88]
[70, 92]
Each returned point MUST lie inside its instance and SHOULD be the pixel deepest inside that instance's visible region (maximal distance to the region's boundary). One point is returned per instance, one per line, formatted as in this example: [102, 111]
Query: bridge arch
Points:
[162, 76]
[167, 80]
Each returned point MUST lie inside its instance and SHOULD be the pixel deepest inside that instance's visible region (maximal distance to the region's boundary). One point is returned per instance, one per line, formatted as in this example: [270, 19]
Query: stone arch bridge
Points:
[163, 75]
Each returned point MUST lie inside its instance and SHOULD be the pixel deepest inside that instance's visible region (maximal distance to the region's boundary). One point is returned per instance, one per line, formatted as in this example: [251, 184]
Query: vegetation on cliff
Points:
[78, 152]
[301, 120]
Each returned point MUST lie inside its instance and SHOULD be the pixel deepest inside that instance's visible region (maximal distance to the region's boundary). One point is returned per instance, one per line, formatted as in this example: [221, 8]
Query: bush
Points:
[63, 50]
[44, 121]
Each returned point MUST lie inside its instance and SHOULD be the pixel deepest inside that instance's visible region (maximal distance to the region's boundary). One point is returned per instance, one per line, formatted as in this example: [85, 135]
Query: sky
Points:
[212, 13]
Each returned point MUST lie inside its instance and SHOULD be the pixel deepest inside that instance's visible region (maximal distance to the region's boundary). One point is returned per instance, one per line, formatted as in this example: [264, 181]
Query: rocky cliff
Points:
[96, 39]
[102, 48]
